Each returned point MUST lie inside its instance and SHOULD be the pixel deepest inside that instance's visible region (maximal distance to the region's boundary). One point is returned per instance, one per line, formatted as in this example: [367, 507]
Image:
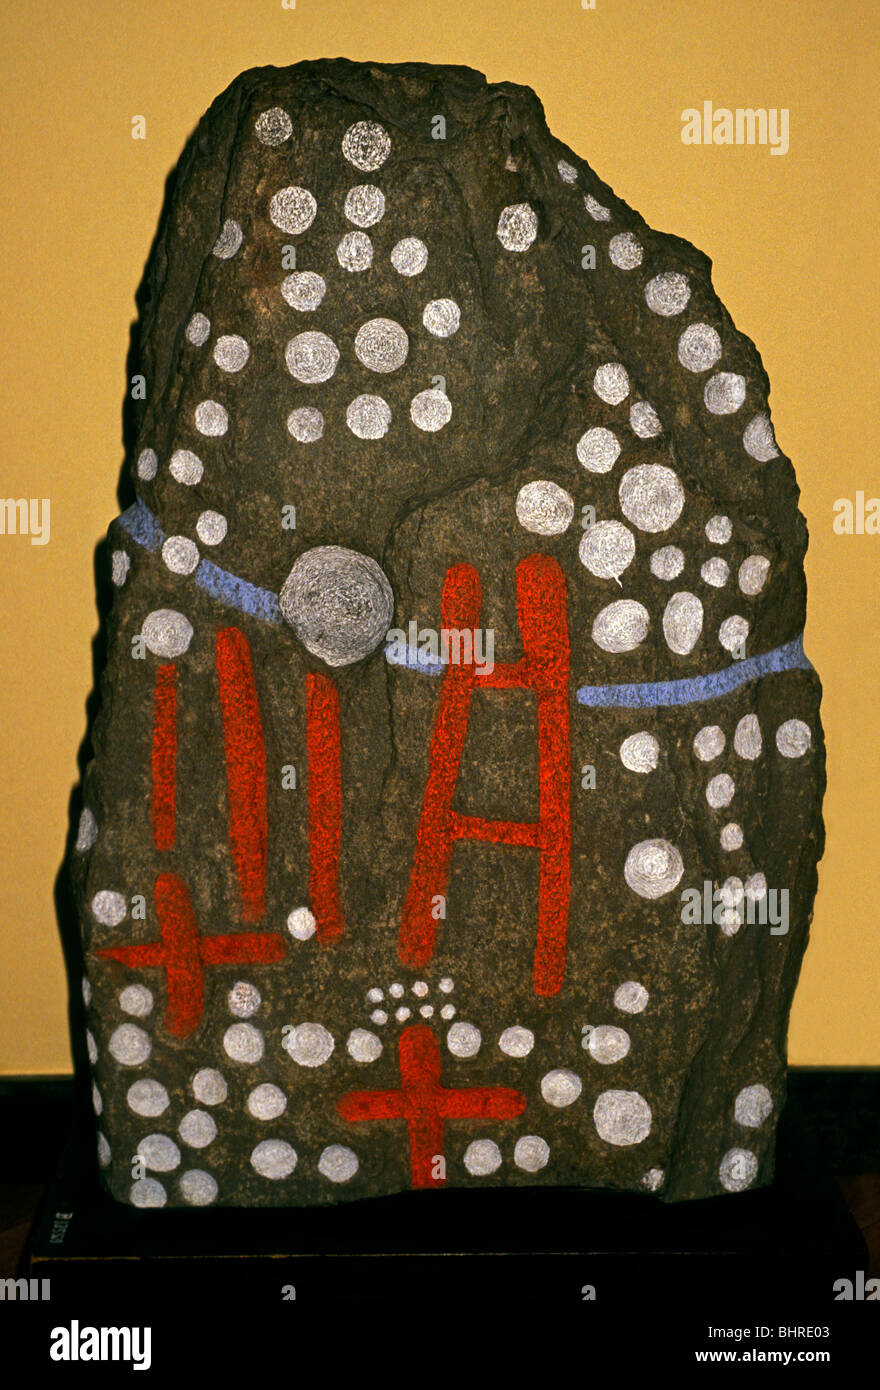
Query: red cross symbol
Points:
[426, 1105]
[183, 954]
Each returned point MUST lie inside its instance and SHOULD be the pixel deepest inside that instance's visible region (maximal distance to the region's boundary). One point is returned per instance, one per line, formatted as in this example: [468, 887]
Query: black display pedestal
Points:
[784, 1242]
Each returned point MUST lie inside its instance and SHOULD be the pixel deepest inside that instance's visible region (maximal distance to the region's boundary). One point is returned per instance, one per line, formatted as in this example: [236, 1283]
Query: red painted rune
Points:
[426, 1106]
[183, 954]
[543, 669]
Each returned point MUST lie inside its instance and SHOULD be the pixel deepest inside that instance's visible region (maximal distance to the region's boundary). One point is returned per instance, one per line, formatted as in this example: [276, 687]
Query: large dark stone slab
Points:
[366, 908]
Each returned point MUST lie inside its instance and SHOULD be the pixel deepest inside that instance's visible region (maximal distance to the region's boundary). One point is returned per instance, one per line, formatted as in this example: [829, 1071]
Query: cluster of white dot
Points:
[793, 740]
[396, 993]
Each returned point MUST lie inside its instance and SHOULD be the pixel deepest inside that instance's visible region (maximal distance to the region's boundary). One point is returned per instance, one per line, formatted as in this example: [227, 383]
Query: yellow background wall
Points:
[791, 238]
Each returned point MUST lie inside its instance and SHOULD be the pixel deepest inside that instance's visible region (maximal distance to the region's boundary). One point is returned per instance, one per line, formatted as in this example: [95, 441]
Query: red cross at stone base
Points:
[183, 954]
[426, 1105]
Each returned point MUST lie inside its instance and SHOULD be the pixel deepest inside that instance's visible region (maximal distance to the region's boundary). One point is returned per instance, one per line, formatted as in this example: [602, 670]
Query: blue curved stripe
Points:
[143, 527]
[665, 694]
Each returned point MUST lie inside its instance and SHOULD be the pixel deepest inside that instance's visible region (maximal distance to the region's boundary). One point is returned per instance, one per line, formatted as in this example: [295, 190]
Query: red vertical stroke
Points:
[325, 804]
[164, 757]
[245, 768]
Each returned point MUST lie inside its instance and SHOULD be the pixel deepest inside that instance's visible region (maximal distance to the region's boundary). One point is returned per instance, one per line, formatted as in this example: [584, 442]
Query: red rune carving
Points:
[245, 768]
[425, 1105]
[164, 757]
[325, 804]
[543, 668]
[183, 954]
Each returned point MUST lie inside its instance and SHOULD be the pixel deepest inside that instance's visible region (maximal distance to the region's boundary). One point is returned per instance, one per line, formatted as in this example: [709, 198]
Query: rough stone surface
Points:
[440, 400]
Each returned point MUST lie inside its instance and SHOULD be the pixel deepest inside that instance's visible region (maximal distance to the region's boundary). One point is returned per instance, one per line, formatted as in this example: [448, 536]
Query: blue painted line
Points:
[143, 527]
[664, 694]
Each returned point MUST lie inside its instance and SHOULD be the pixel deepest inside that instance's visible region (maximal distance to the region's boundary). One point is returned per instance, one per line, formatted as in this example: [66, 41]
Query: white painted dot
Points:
[402, 1014]
[304, 290]
[430, 410]
[365, 205]
[448, 1011]
[427, 1011]
[709, 743]
[793, 738]
[463, 1040]
[396, 990]
[752, 1106]
[668, 294]
[211, 527]
[631, 997]
[91, 1047]
[755, 887]
[366, 145]
[409, 256]
[166, 632]
[607, 548]
[719, 529]
[243, 999]
[747, 739]
[640, 752]
[311, 357]
[198, 1188]
[148, 1098]
[753, 574]
[86, 832]
[651, 497]
[482, 1157]
[379, 1016]
[243, 1043]
[758, 439]
[731, 837]
[375, 996]
[720, 791]
[699, 347]
[653, 868]
[104, 1154]
[86, 991]
[159, 1153]
[147, 1192]
[596, 210]
[420, 989]
[355, 252]
[198, 330]
[197, 1129]
[667, 562]
[337, 1163]
[301, 923]
[442, 317]
[732, 633]
[715, 571]
[363, 1046]
[737, 1170]
[229, 240]
[517, 227]
[109, 907]
[273, 1158]
[608, 1044]
[531, 1153]
[130, 1045]
[644, 420]
[682, 622]
[621, 626]
[368, 417]
[292, 209]
[724, 393]
[209, 1086]
[309, 1044]
[566, 171]
[598, 450]
[560, 1087]
[136, 1000]
[120, 564]
[266, 1102]
[211, 419]
[622, 1117]
[516, 1041]
[611, 383]
[446, 985]
[186, 467]
[653, 1179]
[625, 251]
[381, 345]
[231, 352]
[180, 554]
[274, 126]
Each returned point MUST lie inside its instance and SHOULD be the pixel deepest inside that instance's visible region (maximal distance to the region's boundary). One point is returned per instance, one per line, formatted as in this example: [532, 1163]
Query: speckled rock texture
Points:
[456, 799]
